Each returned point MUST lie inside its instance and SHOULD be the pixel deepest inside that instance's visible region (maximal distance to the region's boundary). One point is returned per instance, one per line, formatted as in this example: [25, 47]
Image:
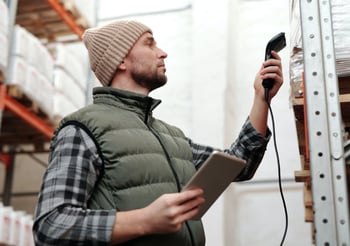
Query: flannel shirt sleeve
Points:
[249, 146]
[62, 216]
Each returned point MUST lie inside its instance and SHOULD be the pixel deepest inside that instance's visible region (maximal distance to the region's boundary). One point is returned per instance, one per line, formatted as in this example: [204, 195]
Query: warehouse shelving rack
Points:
[24, 128]
[319, 118]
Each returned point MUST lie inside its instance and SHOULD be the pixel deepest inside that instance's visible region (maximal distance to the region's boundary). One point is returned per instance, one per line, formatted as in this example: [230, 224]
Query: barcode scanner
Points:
[276, 43]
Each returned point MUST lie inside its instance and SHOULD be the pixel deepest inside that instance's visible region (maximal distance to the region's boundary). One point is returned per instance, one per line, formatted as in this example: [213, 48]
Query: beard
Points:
[149, 80]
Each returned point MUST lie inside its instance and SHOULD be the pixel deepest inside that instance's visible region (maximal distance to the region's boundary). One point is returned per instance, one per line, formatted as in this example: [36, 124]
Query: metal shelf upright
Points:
[324, 132]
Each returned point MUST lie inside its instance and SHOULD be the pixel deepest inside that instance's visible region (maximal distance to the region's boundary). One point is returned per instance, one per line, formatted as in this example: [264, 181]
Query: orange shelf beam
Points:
[2, 96]
[32, 119]
[66, 17]
[6, 159]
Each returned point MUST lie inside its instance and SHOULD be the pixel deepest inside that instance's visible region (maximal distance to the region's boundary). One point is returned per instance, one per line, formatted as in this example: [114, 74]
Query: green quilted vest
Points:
[143, 158]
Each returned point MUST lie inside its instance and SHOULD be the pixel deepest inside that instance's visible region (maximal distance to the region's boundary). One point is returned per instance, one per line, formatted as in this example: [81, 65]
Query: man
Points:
[115, 172]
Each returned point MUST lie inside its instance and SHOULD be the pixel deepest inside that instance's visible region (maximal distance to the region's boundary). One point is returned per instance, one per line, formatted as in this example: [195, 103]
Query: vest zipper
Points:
[162, 145]
[148, 112]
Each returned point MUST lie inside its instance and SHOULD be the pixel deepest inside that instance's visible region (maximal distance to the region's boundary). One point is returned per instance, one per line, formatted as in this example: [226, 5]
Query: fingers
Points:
[272, 73]
[272, 63]
[189, 194]
[188, 215]
[272, 69]
[187, 201]
[168, 212]
[275, 55]
[189, 207]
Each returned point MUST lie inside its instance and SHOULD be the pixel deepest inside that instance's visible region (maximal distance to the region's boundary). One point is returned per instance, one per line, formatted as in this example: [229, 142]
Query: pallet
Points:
[29, 103]
[39, 18]
[17, 132]
[16, 92]
[71, 8]
[2, 77]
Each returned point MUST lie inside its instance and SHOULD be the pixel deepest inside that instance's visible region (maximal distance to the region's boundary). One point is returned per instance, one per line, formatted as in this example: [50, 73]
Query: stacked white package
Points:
[25, 233]
[4, 52]
[31, 69]
[71, 63]
[4, 25]
[4, 18]
[18, 64]
[15, 227]
[45, 94]
[61, 106]
[17, 71]
[40, 58]
[39, 89]
[70, 81]
[66, 85]
[20, 42]
[341, 31]
[341, 35]
[5, 223]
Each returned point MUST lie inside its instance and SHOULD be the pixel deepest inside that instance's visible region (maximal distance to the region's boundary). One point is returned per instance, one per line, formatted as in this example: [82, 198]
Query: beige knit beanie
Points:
[108, 45]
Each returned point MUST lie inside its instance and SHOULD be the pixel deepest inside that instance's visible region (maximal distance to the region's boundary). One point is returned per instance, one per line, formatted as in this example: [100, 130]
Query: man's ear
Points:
[122, 66]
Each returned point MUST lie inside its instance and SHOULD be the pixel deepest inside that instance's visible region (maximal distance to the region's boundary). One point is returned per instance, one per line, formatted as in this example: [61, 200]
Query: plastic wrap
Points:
[4, 18]
[20, 42]
[3, 53]
[17, 71]
[341, 30]
[62, 106]
[64, 58]
[40, 57]
[341, 33]
[66, 84]
[15, 227]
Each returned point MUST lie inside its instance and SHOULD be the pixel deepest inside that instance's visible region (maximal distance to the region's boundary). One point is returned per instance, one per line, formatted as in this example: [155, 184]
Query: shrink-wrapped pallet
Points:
[17, 71]
[3, 53]
[70, 62]
[15, 227]
[62, 106]
[30, 69]
[5, 223]
[45, 95]
[341, 32]
[39, 89]
[32, 84]
[66, 84]
[29, 47]
[4, 24]
[4, 18]
[40, 57]
[18, 61]
[25, 233]
[20, 42]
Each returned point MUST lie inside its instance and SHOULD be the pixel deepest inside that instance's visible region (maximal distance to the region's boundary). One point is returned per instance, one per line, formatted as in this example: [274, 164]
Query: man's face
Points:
[145, 62]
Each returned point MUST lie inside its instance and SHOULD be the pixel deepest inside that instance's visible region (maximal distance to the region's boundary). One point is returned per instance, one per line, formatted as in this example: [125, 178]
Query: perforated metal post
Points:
[328, 176]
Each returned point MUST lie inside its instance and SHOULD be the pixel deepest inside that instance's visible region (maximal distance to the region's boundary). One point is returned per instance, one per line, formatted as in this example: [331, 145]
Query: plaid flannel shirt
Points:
[62, 216]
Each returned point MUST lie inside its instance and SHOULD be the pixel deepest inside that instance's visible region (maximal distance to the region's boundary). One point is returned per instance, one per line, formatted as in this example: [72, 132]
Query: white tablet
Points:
[214, 176]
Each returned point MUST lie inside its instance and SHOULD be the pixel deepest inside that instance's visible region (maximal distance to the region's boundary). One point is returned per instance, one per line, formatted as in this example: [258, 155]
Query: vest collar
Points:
[126, 99]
